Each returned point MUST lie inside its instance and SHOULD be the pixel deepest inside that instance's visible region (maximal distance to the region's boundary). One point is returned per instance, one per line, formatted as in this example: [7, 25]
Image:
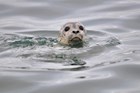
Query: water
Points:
[31, 61]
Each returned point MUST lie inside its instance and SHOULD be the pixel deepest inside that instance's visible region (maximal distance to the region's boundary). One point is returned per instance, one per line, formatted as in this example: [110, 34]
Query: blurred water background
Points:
[28, 64]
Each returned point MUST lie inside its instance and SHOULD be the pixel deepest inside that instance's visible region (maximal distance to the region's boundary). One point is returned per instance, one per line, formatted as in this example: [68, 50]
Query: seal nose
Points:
[75, 32]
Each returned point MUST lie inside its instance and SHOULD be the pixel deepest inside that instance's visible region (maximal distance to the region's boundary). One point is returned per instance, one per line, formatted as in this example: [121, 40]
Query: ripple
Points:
[45, 51]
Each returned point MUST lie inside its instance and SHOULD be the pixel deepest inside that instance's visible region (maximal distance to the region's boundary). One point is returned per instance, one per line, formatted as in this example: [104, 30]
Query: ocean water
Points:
[31, 61]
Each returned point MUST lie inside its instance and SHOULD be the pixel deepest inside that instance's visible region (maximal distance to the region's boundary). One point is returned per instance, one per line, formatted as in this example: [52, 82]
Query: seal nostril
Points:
[75, 32]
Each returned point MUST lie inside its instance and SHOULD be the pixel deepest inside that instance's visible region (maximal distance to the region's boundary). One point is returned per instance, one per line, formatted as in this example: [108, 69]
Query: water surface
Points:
[31, 61]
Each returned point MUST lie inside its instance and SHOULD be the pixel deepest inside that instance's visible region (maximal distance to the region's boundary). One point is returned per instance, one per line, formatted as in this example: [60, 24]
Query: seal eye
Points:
[67, 28]
[81, 27]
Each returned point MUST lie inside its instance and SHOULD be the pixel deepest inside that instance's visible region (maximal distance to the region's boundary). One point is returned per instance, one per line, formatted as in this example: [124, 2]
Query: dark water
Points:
[31, 61]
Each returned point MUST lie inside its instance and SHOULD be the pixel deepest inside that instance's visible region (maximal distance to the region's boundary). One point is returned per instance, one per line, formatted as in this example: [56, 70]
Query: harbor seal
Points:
[72, 34]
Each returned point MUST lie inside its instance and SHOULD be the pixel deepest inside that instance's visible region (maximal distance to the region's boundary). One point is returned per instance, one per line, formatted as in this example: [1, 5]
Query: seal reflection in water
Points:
[72, 34]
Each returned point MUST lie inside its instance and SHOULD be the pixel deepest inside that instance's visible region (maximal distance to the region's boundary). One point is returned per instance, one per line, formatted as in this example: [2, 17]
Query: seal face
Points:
[72, 34]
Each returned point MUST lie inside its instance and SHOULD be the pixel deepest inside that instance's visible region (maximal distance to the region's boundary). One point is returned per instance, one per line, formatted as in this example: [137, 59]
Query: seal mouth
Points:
[76, 39]
[76, 42]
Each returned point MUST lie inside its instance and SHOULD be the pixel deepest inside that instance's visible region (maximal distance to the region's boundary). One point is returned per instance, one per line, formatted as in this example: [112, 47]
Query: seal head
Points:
[72, 34]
